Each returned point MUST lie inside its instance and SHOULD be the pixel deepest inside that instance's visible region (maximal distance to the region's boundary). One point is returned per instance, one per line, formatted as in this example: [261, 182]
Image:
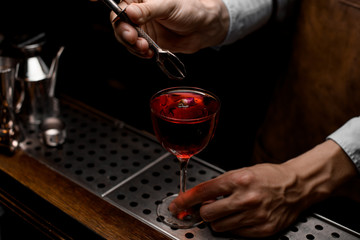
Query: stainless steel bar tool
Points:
[167, 61]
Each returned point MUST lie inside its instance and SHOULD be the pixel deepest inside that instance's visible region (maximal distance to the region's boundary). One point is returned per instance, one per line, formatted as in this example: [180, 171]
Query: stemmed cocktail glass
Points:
[184, 121]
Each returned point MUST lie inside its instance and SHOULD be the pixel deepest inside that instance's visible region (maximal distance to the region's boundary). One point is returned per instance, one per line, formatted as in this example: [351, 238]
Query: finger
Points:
[124, 32]
[218, 209]
[238, 201]
[141, 13]
[232, 222]
[203, 192]
[208, 202]
[147, 54]
[122, 5]
[241, 220]
[127, 35]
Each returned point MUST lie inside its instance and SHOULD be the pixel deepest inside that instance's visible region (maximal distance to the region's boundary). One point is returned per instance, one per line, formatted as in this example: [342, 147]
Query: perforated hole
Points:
[335, 235]
[319, 227]
[310, 236]
[189, 235]
[294, 229]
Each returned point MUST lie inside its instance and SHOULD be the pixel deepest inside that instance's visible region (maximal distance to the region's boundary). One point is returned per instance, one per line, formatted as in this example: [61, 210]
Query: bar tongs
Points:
[166, 60]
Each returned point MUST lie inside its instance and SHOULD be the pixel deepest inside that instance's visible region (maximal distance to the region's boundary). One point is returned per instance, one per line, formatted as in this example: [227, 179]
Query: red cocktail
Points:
[184, 120]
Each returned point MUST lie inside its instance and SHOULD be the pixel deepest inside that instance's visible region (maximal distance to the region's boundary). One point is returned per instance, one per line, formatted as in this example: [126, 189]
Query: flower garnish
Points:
[186, 102]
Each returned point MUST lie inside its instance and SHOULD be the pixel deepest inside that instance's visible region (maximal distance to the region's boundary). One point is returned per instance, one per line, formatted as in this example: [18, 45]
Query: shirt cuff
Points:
[348, 138]
[246, 16]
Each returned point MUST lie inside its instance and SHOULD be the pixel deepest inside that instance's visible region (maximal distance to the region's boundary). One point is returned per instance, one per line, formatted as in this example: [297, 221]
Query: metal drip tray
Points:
[141, 194]
[98, 153]
[131, 171]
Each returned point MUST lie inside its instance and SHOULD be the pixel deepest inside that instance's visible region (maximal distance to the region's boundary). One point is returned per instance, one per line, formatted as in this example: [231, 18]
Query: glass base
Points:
[187, 219]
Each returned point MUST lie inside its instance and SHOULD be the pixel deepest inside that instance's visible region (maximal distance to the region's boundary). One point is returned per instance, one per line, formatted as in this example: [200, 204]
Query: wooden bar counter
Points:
[88, 209]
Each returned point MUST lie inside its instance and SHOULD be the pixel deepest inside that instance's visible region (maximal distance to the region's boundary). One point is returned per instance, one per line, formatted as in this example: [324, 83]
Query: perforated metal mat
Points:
[130, 170]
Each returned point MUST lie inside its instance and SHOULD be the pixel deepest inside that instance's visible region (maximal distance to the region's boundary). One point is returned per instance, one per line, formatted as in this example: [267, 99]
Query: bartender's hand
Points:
[180, 26]
[261, 200]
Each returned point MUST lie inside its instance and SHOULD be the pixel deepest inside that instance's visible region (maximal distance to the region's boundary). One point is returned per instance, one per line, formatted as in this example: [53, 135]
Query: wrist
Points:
[321, 172]
[217, 15]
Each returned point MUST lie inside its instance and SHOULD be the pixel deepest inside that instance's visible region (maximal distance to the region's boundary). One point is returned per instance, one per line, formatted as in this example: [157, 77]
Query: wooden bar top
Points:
[87, 208]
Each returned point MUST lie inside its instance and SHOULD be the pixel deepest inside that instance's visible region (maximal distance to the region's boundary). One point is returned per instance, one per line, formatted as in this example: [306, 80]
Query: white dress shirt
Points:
[247, 16]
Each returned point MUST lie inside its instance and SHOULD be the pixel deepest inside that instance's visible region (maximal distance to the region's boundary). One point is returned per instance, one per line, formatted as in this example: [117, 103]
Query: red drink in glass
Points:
[184, 121]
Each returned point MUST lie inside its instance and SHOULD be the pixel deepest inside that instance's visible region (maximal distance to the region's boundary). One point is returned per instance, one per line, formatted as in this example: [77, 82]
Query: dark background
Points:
[99, 71]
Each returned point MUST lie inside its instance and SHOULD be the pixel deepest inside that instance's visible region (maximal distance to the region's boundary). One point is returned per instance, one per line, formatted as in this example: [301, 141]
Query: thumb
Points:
[140, 13]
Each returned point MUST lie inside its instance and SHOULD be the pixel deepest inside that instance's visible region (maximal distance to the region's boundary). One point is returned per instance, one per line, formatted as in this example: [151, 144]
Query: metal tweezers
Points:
[166, 60]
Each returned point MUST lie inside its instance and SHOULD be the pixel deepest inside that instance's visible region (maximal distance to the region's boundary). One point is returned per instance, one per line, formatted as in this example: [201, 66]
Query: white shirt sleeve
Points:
[348, 138]
[247, 16]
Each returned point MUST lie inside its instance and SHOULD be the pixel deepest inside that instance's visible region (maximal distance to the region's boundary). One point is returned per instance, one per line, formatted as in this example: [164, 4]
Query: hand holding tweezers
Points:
[166, 60]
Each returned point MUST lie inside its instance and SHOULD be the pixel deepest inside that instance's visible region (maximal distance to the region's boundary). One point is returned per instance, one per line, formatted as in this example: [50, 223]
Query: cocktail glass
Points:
[184, 120]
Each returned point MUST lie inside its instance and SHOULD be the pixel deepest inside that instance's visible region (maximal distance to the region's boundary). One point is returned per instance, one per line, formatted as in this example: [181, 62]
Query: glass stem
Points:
[183, 173]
